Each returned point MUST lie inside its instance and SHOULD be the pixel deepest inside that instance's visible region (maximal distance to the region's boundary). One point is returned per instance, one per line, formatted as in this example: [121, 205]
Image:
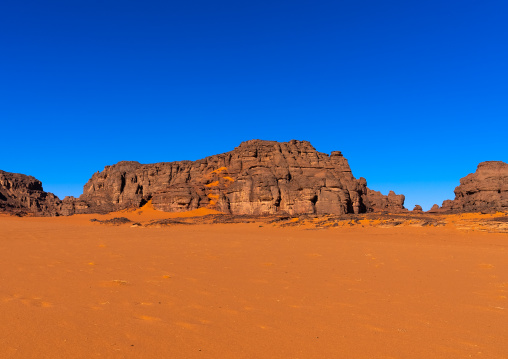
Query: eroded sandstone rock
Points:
[257, 177]
[24, 195]
[484, 190]
[435, 209]
[375, 201]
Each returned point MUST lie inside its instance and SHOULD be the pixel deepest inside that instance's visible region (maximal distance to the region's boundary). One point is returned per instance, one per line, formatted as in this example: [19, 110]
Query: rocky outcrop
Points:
[484, 190]
[435, 209]
[21, 194]
[258, 177]
[417, 208]
[377, 202]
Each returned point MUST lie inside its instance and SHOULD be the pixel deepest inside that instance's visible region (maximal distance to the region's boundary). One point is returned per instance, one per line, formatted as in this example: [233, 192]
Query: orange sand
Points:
[147, 213]
[213, 184]
[219, 170]
[74, 289]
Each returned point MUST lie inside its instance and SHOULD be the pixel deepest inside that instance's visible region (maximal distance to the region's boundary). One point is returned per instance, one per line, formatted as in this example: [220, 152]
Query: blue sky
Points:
[415, 94]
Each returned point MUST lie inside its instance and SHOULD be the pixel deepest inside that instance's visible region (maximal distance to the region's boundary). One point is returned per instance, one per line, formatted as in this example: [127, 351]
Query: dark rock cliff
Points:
[23, 195]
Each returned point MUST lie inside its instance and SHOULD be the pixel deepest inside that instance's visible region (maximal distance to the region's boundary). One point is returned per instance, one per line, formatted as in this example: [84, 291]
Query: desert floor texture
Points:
[71, 288]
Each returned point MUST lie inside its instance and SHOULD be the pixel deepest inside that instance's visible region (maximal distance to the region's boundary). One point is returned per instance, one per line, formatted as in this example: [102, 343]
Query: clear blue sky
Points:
[414, 93]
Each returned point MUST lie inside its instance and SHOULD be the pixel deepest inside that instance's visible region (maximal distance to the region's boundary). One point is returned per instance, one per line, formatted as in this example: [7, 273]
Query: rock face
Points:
[484, 190]
[258, 177]
[23, 195]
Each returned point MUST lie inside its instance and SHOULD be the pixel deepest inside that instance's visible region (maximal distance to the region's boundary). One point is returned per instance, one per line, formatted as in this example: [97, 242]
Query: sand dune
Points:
[75, 289]
[148, 213]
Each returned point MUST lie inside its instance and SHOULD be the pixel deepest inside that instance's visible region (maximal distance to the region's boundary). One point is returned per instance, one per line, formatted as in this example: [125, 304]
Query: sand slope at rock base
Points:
[74, 289]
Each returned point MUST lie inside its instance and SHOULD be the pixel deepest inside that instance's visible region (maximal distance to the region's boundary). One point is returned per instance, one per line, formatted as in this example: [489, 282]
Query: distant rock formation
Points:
[258, 177]
[435, 209]
[377, 202]
[24, 195]
[417, 208]
[484, 190]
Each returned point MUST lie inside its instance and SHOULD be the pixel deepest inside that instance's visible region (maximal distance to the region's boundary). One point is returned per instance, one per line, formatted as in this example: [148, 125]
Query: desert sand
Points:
[71, 288]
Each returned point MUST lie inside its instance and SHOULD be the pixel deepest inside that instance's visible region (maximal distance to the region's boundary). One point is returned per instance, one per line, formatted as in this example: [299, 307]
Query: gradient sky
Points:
[414, 93]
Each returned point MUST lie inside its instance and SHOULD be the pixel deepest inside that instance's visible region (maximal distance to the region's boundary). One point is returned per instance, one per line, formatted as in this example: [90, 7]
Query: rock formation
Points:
[375, 201]
[417, 208]
[258, 177]
[435, 209]
[21, 194]
[484, 190]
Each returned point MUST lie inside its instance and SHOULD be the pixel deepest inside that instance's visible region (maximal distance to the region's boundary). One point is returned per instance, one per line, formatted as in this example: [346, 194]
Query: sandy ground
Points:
[75, 289]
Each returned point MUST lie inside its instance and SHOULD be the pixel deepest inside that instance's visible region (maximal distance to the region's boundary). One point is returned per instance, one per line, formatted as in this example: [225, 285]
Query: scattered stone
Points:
[166, 222]
[113, 221]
